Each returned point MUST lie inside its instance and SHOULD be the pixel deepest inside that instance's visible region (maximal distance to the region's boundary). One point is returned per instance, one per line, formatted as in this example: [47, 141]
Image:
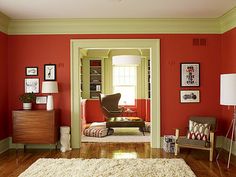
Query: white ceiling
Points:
[36, 9]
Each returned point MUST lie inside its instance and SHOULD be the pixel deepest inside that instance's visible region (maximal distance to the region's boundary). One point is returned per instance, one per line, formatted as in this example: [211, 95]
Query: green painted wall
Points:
[106, 56]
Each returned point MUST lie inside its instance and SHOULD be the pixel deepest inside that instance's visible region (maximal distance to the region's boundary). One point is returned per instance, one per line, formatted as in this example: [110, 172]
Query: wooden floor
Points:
[13, 163]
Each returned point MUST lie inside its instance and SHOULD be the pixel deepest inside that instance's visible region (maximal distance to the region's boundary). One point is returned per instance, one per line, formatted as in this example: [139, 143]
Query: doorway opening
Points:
[112, 72]
[152, 45]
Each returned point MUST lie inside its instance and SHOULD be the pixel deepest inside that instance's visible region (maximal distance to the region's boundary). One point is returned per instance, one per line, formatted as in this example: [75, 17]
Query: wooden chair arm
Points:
[176, 134]
[212, 136]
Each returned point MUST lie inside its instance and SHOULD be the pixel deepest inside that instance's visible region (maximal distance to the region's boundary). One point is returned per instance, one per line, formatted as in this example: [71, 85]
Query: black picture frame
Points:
[31, 71]
[50, 72]
[189, 96]
[32, 85]
[190, 74]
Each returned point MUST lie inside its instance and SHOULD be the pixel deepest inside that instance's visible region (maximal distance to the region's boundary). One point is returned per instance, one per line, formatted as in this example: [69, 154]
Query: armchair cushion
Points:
[191, 142]
[198, 131]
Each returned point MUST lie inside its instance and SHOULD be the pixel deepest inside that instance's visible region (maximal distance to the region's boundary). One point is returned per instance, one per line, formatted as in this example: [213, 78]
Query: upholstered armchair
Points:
[200, 135]
[109, 105]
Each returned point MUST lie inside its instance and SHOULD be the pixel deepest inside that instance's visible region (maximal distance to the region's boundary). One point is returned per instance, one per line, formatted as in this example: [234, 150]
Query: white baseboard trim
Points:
[4, 145]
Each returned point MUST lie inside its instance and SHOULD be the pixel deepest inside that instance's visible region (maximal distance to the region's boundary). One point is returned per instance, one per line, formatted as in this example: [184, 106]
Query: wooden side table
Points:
[35, 127]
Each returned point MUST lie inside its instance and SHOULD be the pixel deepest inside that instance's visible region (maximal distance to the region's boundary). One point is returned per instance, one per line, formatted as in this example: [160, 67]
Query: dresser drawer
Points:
[35, 127]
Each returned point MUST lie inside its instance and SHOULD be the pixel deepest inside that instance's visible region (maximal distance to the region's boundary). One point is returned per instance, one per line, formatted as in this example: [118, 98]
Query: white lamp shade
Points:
[49, 87]
[228, 89]
[126, 60]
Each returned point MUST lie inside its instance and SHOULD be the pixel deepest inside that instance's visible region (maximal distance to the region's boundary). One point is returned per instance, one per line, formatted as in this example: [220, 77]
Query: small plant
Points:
[27, 98]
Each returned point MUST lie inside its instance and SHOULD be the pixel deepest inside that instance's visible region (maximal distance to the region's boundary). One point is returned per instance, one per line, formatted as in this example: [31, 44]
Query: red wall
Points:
[92, 111]
[37, 50]
[228, 65]
[3, 87]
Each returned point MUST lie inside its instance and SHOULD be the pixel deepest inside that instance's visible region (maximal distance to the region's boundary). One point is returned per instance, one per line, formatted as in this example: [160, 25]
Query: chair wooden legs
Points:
[211, 146]
[176, 138]
[176, 148]
[211, 155]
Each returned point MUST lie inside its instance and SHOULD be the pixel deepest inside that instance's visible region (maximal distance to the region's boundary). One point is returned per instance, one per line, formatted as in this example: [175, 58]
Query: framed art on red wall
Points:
[49, 72]
[31, 71]
[31, 85]
[189, 96]
[189, 74]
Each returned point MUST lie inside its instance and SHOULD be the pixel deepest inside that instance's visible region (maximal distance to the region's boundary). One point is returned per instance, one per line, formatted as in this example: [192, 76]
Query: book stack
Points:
[169, 143]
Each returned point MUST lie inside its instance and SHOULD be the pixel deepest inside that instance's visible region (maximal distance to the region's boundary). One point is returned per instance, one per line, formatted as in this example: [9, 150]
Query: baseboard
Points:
[4, 145]
[224, 143]
[31, 146]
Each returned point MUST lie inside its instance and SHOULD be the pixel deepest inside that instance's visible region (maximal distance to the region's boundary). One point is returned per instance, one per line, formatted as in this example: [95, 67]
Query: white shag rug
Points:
[126, 135]
[108, 168]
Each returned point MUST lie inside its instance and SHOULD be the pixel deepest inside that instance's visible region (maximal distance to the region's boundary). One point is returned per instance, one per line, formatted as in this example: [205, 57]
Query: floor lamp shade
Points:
[50, 87]
[228, 89]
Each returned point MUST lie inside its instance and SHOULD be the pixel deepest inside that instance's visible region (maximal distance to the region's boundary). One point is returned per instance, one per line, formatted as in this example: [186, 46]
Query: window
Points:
[125, 82]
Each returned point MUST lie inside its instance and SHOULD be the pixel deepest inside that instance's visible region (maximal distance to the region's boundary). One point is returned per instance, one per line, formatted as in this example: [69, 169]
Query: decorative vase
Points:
[27, 106]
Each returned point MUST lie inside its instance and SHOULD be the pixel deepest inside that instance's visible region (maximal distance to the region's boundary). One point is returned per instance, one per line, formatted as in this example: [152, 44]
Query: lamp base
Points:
[50, 103]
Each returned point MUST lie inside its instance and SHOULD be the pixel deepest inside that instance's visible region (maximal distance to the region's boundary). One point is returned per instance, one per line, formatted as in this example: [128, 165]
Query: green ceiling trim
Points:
[114, 26]
[228, 21]
[119, 26]
[4, 20]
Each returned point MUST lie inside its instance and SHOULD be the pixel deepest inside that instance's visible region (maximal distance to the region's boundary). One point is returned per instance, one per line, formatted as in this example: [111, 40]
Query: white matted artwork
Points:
[190, 74]
[31, 71]
[49, 72]
[41, 100]
[189, 96]
[32, 85]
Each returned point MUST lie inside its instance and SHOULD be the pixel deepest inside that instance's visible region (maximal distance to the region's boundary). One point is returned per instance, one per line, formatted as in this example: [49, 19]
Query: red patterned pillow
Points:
[198, 131]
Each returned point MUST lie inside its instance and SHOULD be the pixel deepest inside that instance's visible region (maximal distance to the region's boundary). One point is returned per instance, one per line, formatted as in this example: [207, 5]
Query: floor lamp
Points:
[228, 97]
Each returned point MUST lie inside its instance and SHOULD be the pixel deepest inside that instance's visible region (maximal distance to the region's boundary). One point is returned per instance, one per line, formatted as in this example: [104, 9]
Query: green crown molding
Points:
[228, 21]
[120, 26]
[4, 20]
[114, 26]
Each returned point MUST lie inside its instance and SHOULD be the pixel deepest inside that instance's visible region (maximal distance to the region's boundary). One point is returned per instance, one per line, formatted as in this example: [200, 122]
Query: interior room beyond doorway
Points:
[100, 73]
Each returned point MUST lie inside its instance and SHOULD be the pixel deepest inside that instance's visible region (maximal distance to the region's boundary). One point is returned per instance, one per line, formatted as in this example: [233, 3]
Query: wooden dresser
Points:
[35, 127]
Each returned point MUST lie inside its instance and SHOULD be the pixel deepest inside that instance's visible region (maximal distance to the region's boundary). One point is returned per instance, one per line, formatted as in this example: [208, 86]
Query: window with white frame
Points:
[125, 82]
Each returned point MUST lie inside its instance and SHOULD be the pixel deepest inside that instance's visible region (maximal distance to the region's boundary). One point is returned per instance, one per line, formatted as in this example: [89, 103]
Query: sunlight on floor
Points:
[125, 155]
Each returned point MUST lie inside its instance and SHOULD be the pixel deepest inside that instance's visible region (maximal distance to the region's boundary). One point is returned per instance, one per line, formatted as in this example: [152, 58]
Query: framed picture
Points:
[41, 100]
[190, 74]
[189, 96]
[49, 72]
[31, 71]
[31, 85]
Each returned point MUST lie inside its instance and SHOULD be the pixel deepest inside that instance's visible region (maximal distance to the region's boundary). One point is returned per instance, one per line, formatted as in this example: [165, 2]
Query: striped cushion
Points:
[95, 132]
[98, 124]
[198, 131]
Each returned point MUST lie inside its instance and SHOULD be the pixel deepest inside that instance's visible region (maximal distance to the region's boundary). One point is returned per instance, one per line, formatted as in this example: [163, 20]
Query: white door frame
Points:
[152, 44]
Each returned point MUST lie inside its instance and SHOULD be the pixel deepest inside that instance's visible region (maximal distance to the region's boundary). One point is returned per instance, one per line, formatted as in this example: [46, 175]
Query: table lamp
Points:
[228, 97]
[49, 87]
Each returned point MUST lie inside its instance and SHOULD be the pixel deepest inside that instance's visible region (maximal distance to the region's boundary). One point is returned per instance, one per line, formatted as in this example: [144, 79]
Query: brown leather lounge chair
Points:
[109, 105]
